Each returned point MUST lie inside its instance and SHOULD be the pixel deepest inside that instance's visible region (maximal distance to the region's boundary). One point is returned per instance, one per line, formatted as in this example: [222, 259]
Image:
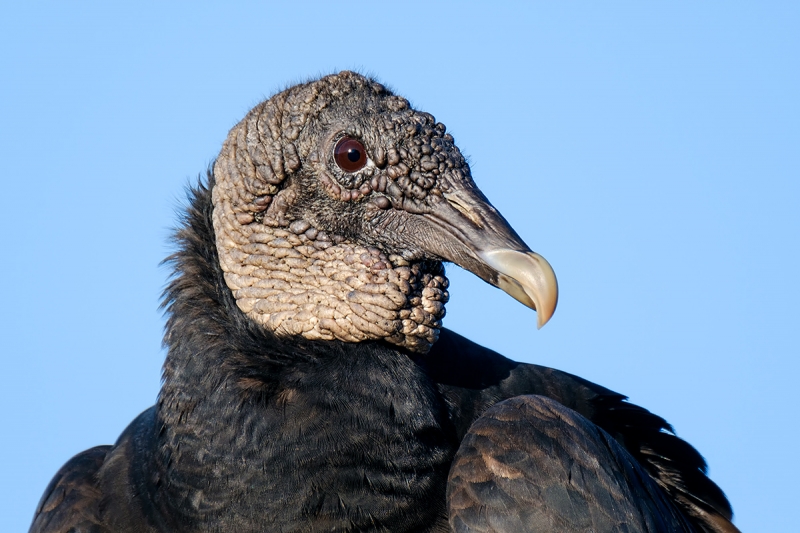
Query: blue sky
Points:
[649, 152]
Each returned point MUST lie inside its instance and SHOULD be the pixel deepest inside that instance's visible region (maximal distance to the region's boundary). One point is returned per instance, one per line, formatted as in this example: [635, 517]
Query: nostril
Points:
[463, 207]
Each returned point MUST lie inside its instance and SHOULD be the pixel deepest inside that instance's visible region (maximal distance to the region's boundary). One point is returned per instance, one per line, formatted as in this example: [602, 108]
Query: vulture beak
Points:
[528, 277]
[481, 241]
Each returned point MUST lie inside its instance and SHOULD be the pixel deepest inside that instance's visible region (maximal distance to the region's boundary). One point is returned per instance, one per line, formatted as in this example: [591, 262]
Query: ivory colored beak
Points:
[467, 230]
[528, 277]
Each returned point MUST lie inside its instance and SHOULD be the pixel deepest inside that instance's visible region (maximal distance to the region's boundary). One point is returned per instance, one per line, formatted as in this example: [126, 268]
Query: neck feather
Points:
[270, 387]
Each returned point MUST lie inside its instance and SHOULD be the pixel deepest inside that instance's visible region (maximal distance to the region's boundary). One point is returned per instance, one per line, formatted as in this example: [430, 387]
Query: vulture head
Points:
[335, 204]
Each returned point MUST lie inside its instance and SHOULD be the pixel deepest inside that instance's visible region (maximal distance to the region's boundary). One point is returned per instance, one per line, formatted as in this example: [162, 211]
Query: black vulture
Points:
[309, 384]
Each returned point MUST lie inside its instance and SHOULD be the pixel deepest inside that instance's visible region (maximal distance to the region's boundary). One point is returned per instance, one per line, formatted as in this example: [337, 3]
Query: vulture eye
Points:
[350, 154]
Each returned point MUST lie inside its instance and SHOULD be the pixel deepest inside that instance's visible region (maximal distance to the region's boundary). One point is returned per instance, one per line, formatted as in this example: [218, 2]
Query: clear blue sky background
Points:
[650, 151]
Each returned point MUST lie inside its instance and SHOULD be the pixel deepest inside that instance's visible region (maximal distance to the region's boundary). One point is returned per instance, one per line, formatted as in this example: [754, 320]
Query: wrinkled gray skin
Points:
[413, 205]
[310, 386]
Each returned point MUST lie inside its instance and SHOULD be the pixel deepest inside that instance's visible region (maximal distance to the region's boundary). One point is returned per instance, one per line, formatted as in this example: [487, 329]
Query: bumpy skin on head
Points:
[309, 249]
[273, 417]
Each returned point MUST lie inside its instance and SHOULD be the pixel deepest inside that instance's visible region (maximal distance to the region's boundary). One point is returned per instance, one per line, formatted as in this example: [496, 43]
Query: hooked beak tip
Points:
[528, 277]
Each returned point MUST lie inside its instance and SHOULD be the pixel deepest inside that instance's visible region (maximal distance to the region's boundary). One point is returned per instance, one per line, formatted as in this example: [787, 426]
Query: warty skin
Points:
[310, 386]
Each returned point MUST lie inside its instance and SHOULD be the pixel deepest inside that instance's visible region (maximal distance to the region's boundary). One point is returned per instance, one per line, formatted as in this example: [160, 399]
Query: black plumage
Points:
[259, 430]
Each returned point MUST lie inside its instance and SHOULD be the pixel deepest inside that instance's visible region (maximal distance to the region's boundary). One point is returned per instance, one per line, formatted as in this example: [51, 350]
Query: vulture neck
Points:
[295, 280]
[251, 420]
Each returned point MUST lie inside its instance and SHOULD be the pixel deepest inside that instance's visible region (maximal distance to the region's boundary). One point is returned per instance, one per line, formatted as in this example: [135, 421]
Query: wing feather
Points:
[71, 502]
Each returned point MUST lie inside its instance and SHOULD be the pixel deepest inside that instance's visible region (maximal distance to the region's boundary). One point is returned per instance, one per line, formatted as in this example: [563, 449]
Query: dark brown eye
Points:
[350, 154]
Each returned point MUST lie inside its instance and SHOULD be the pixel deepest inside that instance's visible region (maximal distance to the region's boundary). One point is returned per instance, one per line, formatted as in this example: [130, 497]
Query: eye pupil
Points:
[350, 154]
